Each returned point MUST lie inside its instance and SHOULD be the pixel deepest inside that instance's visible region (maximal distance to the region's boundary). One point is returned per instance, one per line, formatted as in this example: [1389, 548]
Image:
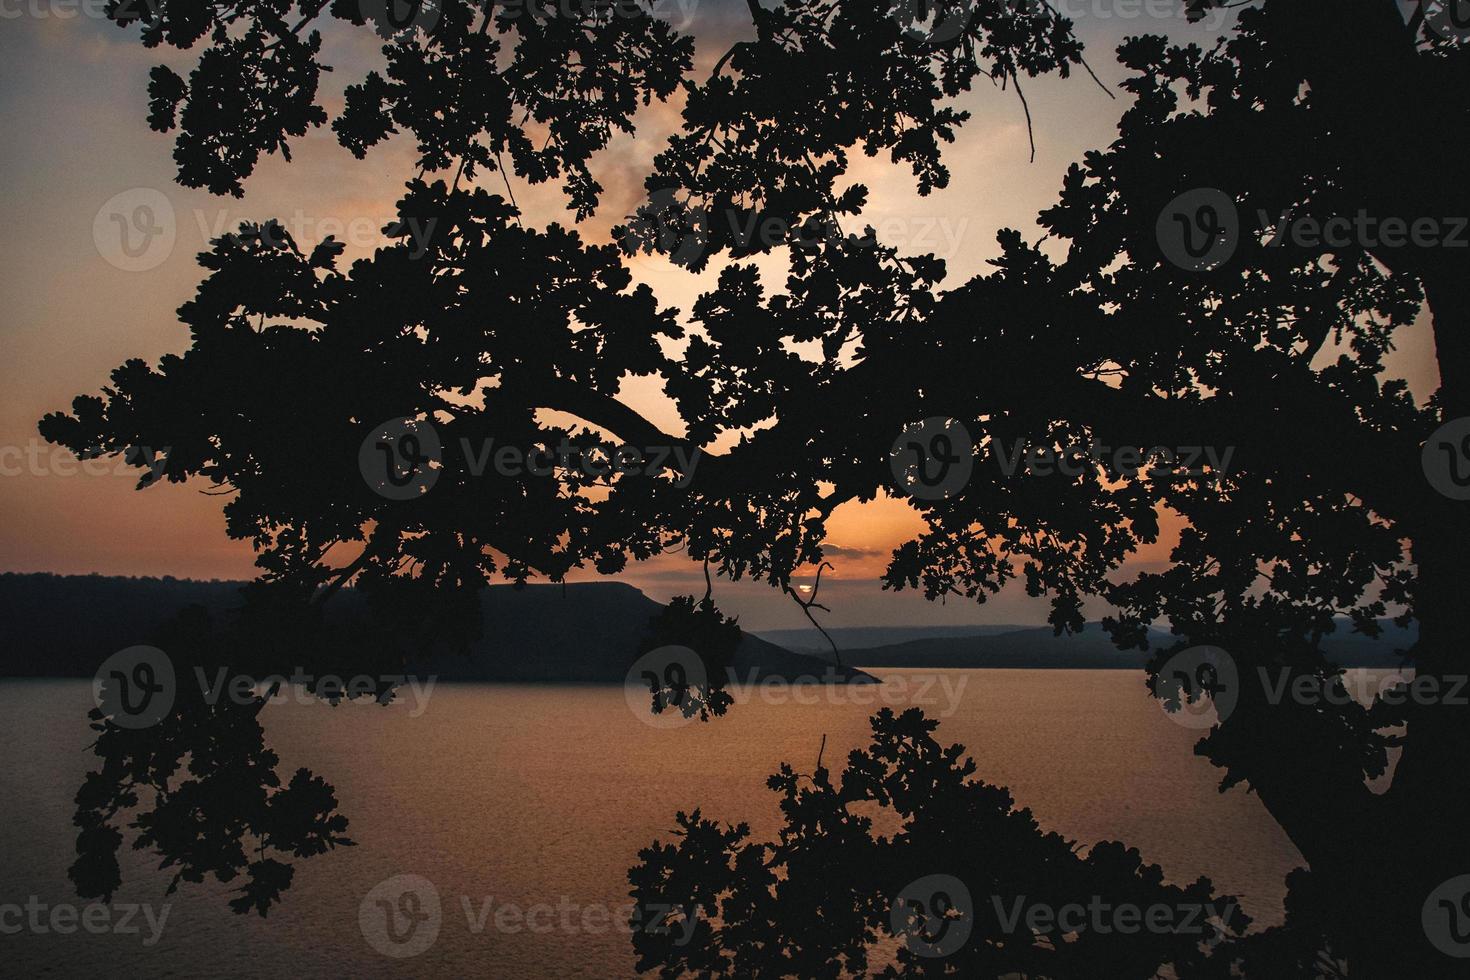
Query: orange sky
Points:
[72, 105]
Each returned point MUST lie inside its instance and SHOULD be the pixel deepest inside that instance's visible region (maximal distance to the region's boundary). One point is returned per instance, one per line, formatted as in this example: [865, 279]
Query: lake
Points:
[538, 798]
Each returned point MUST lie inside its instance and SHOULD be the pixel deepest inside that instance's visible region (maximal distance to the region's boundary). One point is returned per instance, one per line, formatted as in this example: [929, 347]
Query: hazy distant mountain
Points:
[64, 626]
[1027, 647]
[808, 640]
[1036, 647]
[589, 632]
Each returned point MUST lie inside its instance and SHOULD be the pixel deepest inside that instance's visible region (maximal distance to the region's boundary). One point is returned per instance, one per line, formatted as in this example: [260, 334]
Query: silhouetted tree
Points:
[483, 325]
[905, 845]
[1310, 111]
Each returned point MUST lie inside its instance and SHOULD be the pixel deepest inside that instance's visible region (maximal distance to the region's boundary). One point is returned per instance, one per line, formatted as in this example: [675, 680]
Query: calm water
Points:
[543, 796]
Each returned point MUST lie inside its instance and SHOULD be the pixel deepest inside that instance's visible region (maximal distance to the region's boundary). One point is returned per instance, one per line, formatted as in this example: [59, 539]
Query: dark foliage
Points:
[1309, 107]
[816, 901]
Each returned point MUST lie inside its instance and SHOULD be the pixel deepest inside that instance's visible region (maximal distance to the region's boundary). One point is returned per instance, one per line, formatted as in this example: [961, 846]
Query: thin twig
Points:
[807, 605]
[505, 177]
[1030, 134]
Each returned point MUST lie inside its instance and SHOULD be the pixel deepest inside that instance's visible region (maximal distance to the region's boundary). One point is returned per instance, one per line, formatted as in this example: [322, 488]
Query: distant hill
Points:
[64, 626]
[1038, 648]
[1035, 648]
[808, 640]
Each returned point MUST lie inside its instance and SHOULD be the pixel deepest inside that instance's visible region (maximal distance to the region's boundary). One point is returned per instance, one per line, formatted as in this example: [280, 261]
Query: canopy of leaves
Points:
[817, 900]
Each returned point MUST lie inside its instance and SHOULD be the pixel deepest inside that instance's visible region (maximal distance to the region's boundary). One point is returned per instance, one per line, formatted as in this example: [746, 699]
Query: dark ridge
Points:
[66, 625]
